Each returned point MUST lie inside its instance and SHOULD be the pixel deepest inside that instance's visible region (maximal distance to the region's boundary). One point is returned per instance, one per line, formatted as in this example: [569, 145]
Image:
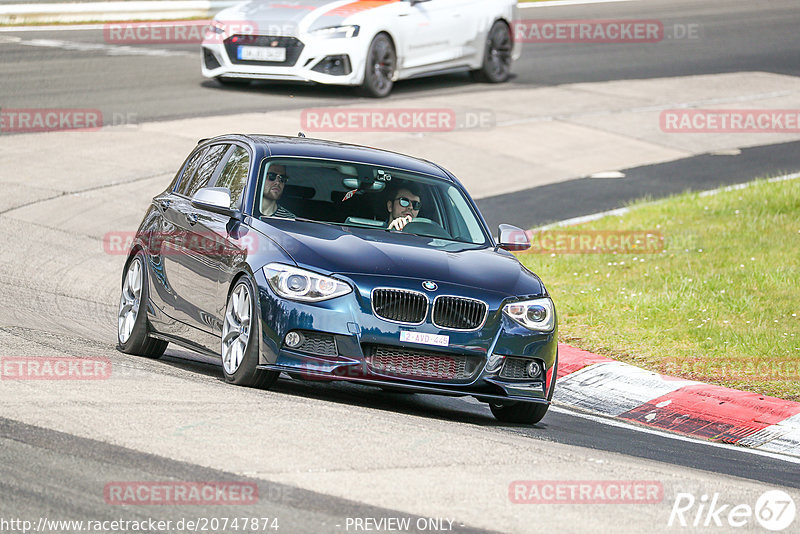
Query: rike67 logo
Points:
[774, 510]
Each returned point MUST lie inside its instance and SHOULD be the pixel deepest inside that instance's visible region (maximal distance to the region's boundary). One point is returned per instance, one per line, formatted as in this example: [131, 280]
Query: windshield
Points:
[366, 196]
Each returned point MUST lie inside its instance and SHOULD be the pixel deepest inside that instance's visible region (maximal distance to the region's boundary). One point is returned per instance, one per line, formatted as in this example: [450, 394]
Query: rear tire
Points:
[526, 413]
[497, 58]
[381, 65]
[240, 333]
[132, 328]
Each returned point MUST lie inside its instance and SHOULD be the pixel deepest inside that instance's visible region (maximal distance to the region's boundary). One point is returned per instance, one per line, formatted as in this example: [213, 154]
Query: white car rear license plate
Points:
[261, 53]
[425, 339]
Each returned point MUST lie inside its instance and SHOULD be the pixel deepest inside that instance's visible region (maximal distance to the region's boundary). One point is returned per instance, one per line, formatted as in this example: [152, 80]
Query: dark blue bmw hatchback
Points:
[327, 261]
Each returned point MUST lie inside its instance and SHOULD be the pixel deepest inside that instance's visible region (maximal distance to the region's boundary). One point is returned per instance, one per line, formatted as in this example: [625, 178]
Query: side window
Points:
[189, 168]
[234, 175]
[201, 176]
[467, 227]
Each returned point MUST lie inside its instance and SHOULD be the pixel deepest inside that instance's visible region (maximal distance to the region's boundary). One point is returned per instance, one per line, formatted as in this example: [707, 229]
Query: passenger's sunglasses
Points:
[405, 202]
[282, 178]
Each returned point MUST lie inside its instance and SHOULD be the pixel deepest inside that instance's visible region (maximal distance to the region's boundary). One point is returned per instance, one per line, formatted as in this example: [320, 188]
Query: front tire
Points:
[497, 58]
[526, 413]
[240, 339]
[132, 330]
[381, 64]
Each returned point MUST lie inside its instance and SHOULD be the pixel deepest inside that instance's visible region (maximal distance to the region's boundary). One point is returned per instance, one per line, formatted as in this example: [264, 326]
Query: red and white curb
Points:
[602, 386]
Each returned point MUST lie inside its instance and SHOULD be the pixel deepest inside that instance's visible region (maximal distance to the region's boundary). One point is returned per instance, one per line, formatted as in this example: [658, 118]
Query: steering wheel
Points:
[425, 227]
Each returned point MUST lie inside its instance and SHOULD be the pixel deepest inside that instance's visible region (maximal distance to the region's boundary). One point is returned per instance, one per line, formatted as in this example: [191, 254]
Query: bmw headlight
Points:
[306, 286]
[537, 314]
[336, 32]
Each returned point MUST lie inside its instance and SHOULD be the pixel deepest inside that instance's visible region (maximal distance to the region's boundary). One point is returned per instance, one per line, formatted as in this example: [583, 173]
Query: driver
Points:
[403, 206]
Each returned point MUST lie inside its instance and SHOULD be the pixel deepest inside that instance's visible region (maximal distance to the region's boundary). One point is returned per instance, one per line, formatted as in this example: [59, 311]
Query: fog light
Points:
[210, 59]
[534, 369]
[293, 339]
[334, 65]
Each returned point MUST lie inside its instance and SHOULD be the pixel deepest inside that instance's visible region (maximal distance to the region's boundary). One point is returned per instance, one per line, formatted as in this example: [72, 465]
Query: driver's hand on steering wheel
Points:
[399, 223]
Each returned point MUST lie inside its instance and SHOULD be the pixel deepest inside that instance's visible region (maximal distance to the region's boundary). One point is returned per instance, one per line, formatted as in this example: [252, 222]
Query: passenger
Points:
[274, 183]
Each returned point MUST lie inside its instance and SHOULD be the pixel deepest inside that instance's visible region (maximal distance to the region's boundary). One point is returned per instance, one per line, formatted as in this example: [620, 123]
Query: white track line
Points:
[95, 27]
[745, 185]
[107, 49]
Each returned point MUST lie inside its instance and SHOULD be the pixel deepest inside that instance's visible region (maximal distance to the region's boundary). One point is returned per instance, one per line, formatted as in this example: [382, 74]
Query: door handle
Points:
[192, 218]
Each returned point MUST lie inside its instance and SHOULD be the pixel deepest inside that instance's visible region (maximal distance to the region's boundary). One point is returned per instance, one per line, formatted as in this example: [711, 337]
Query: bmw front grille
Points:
[459, 313]
[400, 305]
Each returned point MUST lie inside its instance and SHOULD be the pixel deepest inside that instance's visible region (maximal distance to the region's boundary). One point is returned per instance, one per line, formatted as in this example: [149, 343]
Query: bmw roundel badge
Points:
[430, 286]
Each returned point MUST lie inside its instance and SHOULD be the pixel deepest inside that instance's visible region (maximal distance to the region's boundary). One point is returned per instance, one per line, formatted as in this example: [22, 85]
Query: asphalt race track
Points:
[735, 36]
[322, 455]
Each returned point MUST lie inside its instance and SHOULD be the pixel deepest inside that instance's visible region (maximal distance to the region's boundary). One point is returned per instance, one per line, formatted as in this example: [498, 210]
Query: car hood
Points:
[287, 17]
[359, 251]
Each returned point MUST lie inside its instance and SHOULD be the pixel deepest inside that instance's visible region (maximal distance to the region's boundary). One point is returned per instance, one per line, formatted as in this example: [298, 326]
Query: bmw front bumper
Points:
[343, 339]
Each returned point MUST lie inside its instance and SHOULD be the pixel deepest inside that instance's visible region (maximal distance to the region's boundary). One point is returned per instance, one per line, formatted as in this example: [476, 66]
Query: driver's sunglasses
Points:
[405, 202]
[282, 178]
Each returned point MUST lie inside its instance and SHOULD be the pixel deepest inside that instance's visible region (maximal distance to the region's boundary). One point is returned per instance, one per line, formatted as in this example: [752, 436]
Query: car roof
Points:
[279, 145]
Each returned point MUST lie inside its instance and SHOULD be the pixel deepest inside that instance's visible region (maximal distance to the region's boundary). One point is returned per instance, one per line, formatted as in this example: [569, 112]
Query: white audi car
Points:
[367, 43]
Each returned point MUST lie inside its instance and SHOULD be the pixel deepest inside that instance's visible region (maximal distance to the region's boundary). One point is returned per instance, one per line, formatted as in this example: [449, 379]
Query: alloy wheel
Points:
[236, 329]
[382, 61]
[499, 53]
[130, 301]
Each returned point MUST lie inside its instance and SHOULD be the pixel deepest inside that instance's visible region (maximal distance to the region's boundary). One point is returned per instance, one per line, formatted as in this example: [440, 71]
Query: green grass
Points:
[720, 303]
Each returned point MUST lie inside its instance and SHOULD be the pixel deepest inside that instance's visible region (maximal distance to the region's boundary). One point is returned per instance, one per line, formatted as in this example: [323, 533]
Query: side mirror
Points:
[216, 199]
[512, 238]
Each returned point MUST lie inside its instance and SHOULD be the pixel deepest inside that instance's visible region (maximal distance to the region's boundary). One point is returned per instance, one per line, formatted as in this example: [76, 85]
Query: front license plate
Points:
[261, 53]
[425, 339]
